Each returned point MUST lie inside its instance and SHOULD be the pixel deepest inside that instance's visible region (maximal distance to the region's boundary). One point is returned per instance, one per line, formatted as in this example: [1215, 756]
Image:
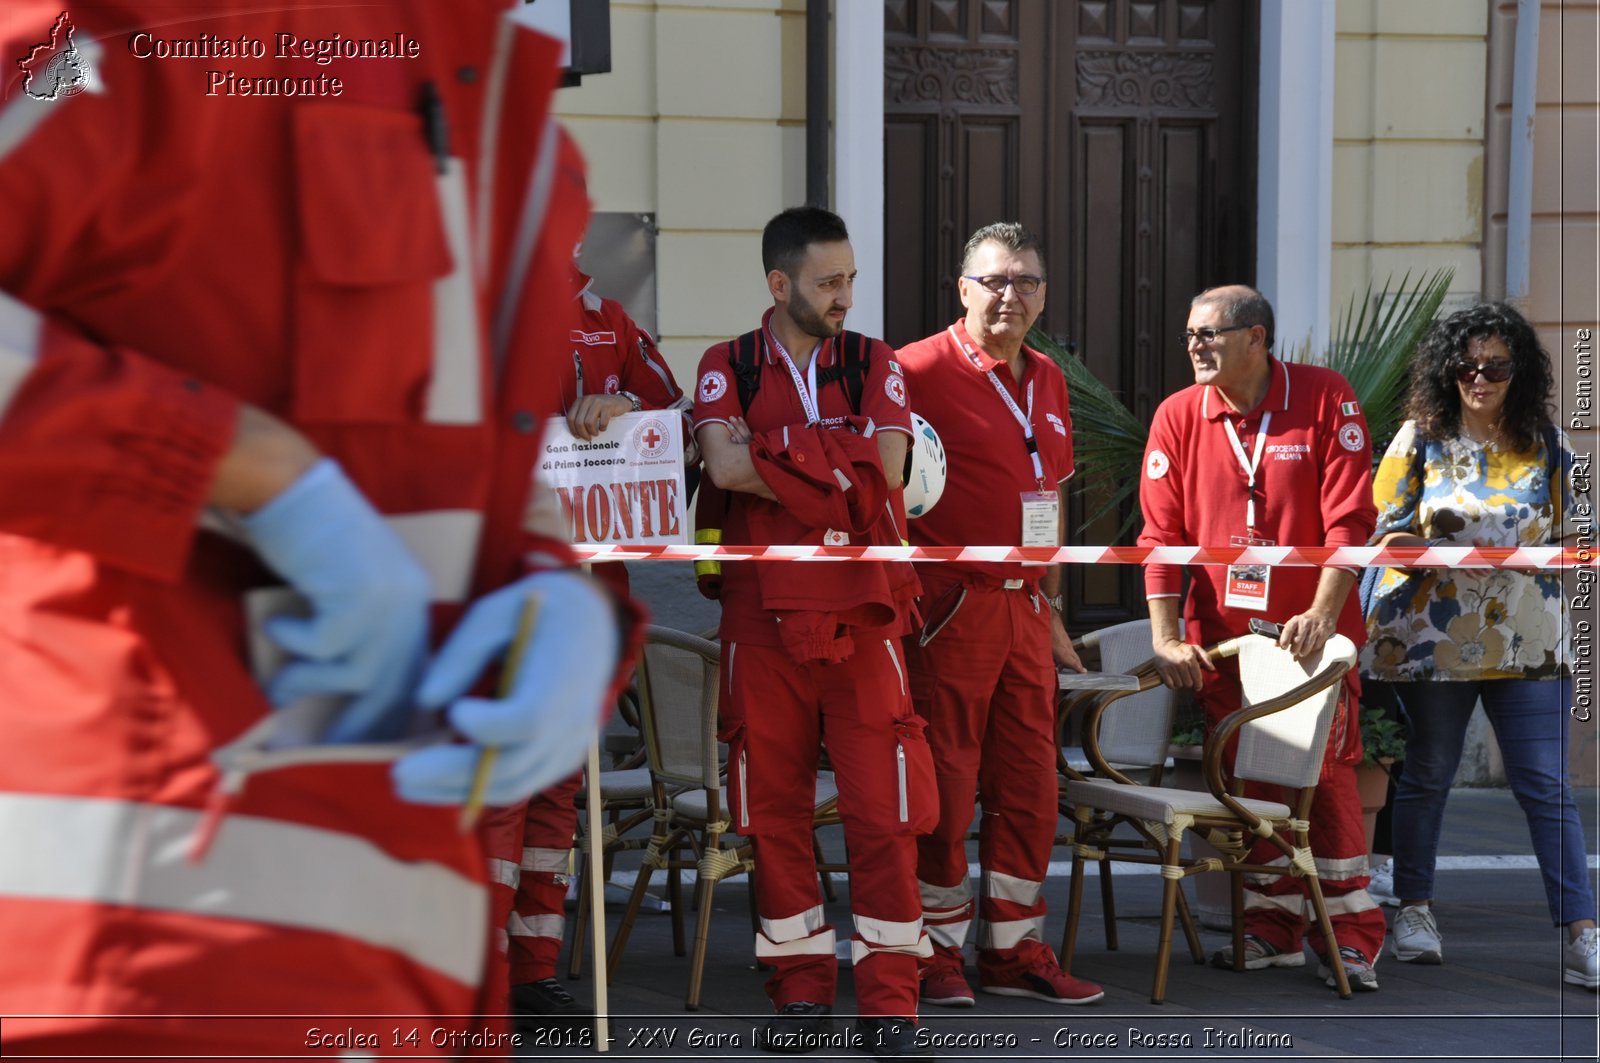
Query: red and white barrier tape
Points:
[1525, 557]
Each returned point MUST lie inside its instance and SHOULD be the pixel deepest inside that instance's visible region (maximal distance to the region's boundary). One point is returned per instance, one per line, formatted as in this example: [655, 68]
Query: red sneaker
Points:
[1046, 981]
[946, 987]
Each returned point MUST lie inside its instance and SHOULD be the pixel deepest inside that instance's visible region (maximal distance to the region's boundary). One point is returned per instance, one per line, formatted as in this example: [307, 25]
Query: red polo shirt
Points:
[777, 403]
[615, 355]
[986, 452]
[1313, 488]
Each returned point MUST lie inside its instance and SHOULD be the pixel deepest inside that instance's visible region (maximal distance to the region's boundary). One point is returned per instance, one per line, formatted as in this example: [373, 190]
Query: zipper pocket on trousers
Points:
[933, 627]
[744, 793]
[899, 671]
[900, 759]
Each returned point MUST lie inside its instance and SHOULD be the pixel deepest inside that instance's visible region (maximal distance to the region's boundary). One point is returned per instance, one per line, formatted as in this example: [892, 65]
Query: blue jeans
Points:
[1530, 721]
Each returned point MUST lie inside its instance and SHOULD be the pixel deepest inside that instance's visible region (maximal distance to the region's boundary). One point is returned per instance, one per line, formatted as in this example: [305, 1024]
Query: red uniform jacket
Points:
[777, 404]
[829, 480]
[611, 354]
[375, 270]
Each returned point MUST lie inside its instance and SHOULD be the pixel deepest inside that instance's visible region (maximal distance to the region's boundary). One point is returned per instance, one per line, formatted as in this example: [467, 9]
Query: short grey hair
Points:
[1008, 234]
[1241, 304]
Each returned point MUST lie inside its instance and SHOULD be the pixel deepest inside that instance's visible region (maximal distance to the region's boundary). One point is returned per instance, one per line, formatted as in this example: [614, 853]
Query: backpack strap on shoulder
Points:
[744, 357]
[851, 367]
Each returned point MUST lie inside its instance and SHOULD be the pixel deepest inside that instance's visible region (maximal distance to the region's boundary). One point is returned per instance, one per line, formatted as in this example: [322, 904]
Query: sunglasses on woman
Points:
[1493, 372]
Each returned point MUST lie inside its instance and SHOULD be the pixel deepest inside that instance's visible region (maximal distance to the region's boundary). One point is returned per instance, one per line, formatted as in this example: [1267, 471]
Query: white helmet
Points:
[925, 468]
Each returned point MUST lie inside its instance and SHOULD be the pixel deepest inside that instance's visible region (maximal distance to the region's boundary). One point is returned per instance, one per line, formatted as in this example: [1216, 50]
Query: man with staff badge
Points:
[1259, 452]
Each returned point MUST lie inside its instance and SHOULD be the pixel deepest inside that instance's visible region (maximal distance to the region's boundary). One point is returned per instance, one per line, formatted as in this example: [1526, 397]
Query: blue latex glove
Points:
[543, 727]
[367, 635]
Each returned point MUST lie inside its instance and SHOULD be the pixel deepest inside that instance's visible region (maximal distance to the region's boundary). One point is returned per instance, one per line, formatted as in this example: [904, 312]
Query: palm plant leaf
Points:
[1372, 346]
[1107, 439]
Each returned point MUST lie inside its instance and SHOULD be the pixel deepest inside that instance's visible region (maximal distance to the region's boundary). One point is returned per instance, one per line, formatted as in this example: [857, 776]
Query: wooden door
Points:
[1123, 132]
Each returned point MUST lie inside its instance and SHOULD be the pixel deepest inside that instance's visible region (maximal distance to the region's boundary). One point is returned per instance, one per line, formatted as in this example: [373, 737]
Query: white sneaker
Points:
[1416, 936]
[1258, 953]
[1358, 970]
[1583, 960]
[1380, 885]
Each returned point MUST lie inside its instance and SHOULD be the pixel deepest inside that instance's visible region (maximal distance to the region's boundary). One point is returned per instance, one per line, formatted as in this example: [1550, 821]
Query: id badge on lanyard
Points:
[1041, 518]
[1041, 509]
[1248, 587]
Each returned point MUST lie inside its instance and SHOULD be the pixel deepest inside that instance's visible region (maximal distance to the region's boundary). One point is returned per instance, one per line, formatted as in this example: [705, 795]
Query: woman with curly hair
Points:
[1478, 463]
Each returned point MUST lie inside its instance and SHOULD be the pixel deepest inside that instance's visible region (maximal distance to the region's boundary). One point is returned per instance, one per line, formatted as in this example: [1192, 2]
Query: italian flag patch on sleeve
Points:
[1349, 409]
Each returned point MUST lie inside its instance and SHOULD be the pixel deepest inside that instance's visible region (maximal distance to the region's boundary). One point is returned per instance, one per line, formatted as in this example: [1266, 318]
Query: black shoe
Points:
[798, 1027]
[887, 1037]
[547, 998]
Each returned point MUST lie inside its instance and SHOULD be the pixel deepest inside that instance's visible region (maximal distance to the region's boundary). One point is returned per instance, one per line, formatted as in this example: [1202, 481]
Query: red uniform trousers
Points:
[529, 847]
[1276, 908]
[775, 716]
[987, 685]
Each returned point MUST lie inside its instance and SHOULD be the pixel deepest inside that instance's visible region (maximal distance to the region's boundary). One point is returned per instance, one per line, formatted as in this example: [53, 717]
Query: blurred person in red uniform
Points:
[983, 668]
[615, 370]
[1260, 452]
[292, 343]
[811, 653]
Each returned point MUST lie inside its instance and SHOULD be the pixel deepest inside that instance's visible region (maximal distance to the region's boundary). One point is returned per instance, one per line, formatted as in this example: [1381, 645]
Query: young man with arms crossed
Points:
[811, 652]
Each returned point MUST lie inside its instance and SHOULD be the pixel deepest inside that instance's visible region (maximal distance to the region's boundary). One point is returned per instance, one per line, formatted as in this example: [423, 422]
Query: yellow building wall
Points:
[1408, 120]
[701, 125]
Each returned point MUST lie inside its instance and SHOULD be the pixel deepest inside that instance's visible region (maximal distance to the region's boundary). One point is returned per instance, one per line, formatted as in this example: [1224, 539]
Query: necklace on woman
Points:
[1490, 435]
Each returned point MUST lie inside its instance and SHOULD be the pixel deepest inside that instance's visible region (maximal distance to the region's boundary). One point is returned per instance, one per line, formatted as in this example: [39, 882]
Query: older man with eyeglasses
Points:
[1259, 452]
[983, 667]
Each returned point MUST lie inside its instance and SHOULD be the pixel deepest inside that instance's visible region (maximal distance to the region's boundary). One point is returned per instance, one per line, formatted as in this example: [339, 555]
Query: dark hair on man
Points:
[1241, 305]
[786, 237]
[1009, 235]
[1434, 398]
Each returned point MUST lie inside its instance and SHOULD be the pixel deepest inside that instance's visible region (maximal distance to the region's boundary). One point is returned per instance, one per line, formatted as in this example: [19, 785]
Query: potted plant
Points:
[1383, 741]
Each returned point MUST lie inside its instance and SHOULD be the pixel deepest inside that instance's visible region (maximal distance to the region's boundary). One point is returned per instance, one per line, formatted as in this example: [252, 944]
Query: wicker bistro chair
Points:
[1282, 729]
[1131, 734]
[678, 691]
[627, 800]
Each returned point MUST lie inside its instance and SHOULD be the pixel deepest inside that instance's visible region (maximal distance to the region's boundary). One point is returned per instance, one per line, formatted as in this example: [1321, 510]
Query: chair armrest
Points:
[1149, 679]
[1067, 704]
[1228, 726]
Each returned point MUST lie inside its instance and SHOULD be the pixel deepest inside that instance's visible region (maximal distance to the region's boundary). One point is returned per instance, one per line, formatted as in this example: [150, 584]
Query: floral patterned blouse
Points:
[1458, 624]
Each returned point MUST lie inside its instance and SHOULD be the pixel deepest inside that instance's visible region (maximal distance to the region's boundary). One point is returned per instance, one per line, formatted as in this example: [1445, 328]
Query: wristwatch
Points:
[1056, 603]
[632, 398]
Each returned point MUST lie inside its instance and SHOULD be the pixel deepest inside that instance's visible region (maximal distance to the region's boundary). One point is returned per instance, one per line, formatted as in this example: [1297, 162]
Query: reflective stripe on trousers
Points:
[947, 912]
